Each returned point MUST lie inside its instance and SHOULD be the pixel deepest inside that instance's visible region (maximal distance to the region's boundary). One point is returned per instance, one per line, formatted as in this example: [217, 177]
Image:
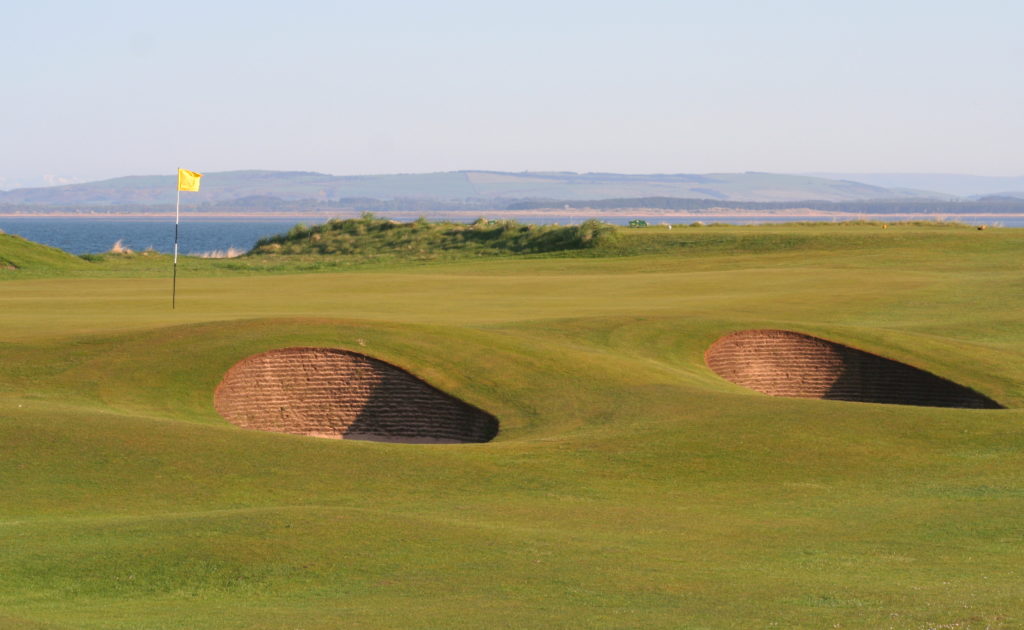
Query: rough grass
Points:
[629, 487]
[370, 237]
[27, 258]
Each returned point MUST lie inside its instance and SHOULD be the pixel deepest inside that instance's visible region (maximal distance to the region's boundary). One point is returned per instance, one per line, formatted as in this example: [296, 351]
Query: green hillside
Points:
[629, 485]
[25, 257]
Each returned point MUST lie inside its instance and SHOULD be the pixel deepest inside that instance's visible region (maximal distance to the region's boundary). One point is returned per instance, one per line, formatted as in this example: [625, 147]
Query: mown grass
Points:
[629, 486]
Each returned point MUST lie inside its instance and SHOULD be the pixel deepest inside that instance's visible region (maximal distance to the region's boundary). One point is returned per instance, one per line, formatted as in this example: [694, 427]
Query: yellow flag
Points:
[188, 180]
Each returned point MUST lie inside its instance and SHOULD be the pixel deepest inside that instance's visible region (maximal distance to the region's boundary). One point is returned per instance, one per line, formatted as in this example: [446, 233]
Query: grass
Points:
[370, 237]
[18, 254]
[629, 487]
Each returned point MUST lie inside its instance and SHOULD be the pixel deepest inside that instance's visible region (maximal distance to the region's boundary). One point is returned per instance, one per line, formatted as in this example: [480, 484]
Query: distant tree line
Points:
[989, 205]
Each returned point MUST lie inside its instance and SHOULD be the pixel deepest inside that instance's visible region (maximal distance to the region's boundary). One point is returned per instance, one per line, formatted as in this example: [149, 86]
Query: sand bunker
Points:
[784, 363]
[340, 394]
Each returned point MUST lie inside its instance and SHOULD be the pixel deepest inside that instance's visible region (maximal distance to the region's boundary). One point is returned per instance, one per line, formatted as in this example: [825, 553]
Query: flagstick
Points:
[174, 280]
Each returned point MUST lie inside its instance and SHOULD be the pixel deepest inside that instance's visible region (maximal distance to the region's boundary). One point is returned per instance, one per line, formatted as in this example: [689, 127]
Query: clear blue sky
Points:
[102, 89]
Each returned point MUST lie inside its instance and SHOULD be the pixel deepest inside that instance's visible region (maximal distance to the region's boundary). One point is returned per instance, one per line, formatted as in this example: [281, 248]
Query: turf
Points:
[26, 257]
[629, 486]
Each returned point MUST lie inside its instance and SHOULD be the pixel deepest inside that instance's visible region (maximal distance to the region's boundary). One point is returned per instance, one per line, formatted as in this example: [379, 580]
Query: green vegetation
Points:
[378, 244]
[16, 253]
[370, 237]
[629, 486]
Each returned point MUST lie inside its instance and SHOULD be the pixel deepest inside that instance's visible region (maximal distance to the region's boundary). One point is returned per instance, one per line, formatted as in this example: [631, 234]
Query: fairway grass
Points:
[629, 486]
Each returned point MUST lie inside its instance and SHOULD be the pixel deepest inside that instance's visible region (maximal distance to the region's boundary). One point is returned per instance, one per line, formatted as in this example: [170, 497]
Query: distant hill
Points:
[947, 183]
[259, 186]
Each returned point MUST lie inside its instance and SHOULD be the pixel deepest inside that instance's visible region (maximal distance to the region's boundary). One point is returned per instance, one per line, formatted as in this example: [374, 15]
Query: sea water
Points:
[93, 236]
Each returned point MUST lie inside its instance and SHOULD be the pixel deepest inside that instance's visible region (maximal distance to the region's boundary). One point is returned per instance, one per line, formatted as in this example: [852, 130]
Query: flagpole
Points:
[174, 278]
[187, 180]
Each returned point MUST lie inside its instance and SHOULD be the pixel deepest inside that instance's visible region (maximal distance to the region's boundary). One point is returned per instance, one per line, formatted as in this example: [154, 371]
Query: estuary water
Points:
[94, 236]
[198, 235]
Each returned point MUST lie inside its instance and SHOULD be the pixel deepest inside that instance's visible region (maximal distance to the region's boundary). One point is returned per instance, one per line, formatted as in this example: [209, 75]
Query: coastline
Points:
[581, 213]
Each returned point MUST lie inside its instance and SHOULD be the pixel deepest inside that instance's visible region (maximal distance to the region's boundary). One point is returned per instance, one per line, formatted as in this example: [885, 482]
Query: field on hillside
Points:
[629, 485]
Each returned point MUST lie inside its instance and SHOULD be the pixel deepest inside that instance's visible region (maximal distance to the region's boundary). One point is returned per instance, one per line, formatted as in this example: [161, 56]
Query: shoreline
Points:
[581, 213]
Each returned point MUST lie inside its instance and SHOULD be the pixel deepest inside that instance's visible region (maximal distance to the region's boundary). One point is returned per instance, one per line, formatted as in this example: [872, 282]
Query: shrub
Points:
[372, 237]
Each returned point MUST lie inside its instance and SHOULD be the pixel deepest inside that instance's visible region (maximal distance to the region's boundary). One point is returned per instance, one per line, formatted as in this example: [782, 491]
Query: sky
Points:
[101, 89]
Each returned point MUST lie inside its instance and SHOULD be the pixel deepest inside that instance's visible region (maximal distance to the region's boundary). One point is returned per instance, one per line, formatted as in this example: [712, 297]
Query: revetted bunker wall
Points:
[334, 393]
[785, 363]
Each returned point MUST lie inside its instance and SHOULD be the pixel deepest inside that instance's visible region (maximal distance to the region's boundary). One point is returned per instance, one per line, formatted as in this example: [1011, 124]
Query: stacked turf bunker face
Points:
[333, 393]
[786, 363]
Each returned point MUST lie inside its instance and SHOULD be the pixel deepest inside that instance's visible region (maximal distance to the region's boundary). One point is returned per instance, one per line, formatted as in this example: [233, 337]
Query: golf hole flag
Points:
[188, 180]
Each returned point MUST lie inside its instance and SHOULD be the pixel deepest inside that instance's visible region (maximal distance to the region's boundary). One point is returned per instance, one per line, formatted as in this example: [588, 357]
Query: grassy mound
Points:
[371, 237]
[19, 254]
